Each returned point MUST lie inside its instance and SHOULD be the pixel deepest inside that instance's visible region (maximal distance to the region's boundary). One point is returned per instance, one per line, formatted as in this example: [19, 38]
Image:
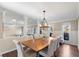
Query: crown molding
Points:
[65, 20]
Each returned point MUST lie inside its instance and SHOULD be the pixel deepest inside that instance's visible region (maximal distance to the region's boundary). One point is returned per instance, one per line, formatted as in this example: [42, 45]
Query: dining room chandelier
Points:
[44, 23]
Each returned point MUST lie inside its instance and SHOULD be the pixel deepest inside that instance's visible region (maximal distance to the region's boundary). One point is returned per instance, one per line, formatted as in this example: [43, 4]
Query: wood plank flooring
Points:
[67, 51]
[63, 51]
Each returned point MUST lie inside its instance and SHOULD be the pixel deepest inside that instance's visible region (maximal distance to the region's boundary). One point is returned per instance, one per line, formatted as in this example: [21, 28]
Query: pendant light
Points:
[44, 23]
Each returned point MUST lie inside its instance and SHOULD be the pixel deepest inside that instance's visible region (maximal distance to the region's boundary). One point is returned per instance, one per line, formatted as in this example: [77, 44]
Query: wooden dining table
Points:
[36, 44]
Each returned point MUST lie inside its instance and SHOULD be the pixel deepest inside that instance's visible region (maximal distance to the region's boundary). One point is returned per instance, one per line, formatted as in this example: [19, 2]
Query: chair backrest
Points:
[20, 51]
[61, 40]
[38, 36]
[58, 42]
[52, 47]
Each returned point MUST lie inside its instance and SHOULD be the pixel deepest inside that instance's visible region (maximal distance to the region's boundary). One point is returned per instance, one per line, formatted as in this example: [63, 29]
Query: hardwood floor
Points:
[63, 51]
[67, 51]
[10, 54]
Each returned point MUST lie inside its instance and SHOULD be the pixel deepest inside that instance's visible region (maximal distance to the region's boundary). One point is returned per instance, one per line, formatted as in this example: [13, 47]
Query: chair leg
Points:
[37, 54]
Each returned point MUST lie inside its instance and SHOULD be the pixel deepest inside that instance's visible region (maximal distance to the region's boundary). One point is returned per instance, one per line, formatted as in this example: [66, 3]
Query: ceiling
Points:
[54, 10]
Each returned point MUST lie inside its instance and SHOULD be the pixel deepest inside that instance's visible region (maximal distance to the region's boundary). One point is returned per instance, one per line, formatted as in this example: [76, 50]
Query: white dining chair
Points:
[48, 52]
[61, 39]
[21, 52]
[38, 36]
[58, 42]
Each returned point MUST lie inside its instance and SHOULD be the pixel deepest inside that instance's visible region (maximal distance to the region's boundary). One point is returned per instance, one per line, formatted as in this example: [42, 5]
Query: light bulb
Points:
[14, 20]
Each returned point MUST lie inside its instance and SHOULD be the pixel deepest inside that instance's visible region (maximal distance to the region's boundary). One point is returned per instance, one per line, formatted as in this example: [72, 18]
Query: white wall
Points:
[7, 44]
[1, 22]
[73, 34]
[1, 25]
[73, 38]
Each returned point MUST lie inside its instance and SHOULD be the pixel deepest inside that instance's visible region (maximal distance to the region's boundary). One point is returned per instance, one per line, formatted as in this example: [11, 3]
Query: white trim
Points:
[7, 51]
[64, 20]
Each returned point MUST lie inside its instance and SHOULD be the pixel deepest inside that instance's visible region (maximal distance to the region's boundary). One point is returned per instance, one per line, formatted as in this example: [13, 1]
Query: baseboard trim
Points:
[71, 44]
[7, 51]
